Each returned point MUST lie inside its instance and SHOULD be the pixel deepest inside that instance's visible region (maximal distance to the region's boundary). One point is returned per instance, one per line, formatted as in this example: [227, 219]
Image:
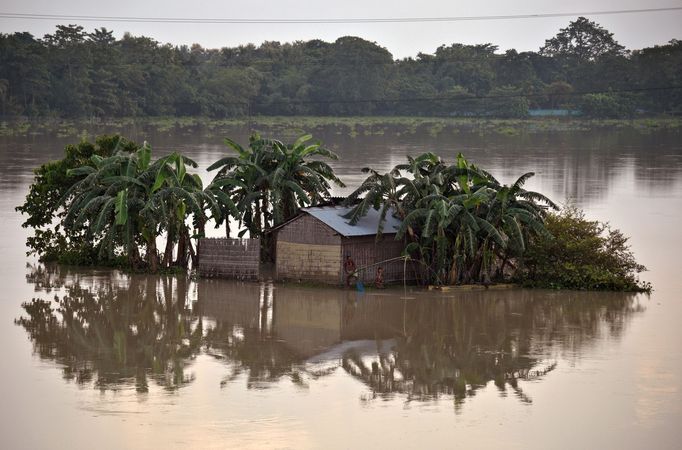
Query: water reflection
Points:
[111, 331]
[456, 346]
[114, 333]
[582, 165]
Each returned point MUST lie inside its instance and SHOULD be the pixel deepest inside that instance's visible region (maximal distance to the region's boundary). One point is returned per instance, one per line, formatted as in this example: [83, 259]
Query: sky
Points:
[401, 39]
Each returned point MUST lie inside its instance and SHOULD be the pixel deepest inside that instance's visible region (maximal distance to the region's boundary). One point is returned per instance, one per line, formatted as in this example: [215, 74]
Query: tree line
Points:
[76, 73]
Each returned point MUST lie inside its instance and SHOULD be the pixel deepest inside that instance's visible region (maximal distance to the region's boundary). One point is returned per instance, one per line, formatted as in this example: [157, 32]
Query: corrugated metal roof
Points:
[333, 217]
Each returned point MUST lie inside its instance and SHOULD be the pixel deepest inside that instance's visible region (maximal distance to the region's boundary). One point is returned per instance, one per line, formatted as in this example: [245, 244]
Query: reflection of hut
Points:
[312, 320]
[309, 320]
[231, 302]
[312, 246]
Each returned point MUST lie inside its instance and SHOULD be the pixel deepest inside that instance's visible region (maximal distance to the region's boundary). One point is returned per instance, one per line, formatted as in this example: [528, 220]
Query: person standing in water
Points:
[379, 278]
[349, 269]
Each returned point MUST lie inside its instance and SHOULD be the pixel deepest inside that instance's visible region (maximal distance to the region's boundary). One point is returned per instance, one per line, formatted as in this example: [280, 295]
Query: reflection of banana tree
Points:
[113, 335]
[457, 347]
[439, 347]
[265, 360]
[251, 347]
[420, 369]
[45, 277]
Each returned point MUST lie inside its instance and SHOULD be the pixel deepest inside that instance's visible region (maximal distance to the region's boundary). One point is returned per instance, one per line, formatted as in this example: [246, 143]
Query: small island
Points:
[106, 203]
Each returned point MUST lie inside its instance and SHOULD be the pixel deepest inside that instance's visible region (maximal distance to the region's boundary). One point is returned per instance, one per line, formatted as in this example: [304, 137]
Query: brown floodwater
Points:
[100, 359]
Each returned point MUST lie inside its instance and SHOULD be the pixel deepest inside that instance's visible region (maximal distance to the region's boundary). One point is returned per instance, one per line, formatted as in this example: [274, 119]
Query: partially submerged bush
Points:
[44, 208]
[582, 254]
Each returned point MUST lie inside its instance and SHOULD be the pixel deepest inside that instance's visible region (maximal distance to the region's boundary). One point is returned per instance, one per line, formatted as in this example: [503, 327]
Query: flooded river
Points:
[99, 359]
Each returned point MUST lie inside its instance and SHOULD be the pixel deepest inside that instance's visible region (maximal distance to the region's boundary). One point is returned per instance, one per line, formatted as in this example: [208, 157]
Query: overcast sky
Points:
[401, 39]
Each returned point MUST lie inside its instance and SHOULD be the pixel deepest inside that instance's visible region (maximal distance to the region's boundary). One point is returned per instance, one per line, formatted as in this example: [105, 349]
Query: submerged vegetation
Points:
[351, 126]
[580, 254]
[463, 226]
[459, 221]
[109, 202]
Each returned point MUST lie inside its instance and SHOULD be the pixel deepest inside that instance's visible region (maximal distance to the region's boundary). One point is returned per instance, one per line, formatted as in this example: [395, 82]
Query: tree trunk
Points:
[134, 257]
[452, 276]
[168, 252]
[131, 261]
[264, 211]
[475, 269]
[201, 232]
[181, 258]
[265, 250]
[500, 270]
[201, 227]
[194, 256]
[256, 220]
[152, 255]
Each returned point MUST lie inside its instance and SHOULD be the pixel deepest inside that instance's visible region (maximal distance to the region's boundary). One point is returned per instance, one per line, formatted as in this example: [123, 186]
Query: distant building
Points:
[313, 246]
[554, 112]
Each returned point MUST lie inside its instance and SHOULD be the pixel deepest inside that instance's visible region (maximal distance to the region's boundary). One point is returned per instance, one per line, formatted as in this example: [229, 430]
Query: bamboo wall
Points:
[229, 258]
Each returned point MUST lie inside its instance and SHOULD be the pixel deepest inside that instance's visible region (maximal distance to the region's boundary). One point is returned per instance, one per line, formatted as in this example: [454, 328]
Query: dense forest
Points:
[583, 69]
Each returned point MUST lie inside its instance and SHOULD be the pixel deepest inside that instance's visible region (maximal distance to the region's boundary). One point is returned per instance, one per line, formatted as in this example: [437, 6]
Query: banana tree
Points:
[378, 191]
[126, 201]
[519, 214]
[243, 179]
[174, 196]
[452, 231]
[108, 201]
[267, 182]
[297, 181]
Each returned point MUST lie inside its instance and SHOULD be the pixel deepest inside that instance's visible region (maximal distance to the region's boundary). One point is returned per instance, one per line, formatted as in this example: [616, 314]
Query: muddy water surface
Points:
[96, 358]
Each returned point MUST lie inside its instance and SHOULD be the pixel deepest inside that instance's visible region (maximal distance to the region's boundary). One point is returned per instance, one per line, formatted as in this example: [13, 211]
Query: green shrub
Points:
[43, 207]
[581, 254]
